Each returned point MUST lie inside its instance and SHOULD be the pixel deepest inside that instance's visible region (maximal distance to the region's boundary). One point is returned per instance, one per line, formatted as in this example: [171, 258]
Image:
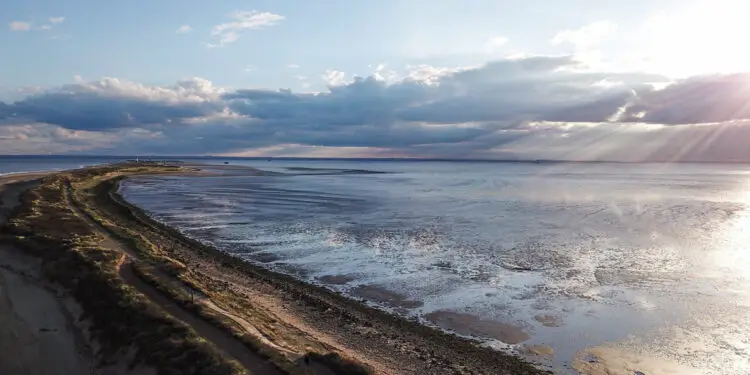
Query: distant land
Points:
[293, 158]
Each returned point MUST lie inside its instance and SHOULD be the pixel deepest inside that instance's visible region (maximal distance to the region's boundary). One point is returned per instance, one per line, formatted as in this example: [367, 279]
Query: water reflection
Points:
[713, 336]
[647, 264]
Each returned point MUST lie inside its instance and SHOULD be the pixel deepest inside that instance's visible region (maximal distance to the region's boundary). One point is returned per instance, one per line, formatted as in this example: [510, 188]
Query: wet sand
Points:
[336, 279]
[549, 320]
[541, 350]
[610, 360]
[386, 297]
[470, 325]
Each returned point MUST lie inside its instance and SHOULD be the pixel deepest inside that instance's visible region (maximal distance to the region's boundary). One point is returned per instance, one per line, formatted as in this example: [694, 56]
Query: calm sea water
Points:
[650, 258]
[15, 164]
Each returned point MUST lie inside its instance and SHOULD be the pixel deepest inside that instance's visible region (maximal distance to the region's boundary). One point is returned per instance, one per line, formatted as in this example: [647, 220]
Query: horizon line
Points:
[375, 159]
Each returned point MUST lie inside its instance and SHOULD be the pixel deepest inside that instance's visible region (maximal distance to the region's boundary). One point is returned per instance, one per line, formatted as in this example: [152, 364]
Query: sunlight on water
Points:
[735, 242]
[643, 267]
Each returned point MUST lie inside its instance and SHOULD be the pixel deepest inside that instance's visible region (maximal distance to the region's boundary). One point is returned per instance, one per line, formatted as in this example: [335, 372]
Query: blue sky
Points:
[136, 39]
[135, 70]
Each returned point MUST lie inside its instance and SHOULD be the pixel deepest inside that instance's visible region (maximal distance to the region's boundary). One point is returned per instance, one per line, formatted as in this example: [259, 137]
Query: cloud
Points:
[229, 32]
[703, 99]
[35, 138]
[292, 66]
[334, 77]
[20, 26]
[27, 26]
[495, 42]
[184, 29]
[429, 74]
[526, 107]
[382, 73]
[113, 103]
[587, 36]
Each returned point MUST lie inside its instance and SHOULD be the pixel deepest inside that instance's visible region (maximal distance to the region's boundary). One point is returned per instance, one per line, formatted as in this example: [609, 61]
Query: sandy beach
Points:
[37, 321]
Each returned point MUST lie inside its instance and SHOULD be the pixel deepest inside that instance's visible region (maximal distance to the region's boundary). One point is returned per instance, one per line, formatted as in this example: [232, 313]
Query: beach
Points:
[291, 325]
[551, 261]
[228, 264]
[37, 320]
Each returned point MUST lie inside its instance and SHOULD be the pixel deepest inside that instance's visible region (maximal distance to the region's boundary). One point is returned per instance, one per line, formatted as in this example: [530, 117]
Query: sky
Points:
[641, 80]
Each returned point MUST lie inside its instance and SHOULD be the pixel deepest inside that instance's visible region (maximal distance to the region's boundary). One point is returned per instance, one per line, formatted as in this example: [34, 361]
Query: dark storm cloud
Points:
[5, 111]
[90, 111]
[438, 111]
[111, 103]
[696, 100]
[509, 90]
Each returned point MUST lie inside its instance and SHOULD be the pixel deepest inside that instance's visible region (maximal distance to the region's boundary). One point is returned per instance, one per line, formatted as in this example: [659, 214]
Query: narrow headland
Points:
[138, 297]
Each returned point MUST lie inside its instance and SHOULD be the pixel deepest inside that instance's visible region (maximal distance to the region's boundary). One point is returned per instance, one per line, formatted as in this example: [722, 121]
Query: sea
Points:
[598, 263]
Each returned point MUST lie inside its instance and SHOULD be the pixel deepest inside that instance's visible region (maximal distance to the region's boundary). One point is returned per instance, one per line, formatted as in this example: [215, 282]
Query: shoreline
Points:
[327, 299]
[295, 324]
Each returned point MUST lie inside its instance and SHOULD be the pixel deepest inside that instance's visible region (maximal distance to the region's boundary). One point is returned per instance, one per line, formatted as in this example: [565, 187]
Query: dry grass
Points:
[121, 319]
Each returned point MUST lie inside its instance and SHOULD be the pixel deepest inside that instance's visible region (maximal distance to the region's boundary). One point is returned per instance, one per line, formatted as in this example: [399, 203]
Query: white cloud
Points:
[226, 38]
[606, 83]
[429, 74]
[525, 107]
[248, 69]
[242, 20]
[334, 77]
[495, 42]
[587, 36]
[292, 66]
[184, 29]
[27, 26]
[20, 26]
[382, 74]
